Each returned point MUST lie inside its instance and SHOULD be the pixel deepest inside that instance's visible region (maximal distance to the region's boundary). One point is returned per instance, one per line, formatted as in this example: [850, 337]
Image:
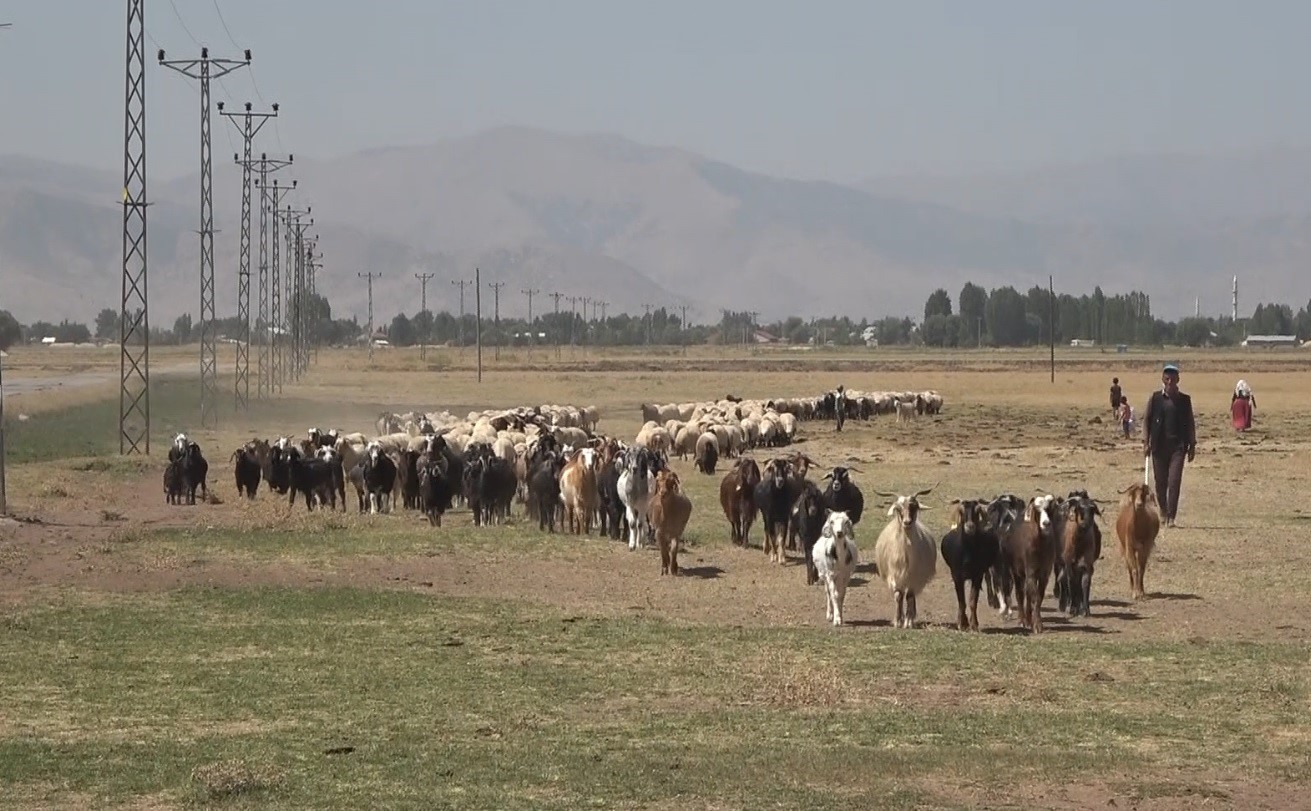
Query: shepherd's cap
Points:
[1170, 367]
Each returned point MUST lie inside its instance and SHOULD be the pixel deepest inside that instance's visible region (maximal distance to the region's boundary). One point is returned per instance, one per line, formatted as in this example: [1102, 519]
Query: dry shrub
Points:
[233, 778]
[55, 489]
[799, 683]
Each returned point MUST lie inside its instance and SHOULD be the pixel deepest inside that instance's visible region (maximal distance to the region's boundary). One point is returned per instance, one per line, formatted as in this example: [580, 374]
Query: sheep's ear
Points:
[892, 510]
[827, 532]
[956, 515]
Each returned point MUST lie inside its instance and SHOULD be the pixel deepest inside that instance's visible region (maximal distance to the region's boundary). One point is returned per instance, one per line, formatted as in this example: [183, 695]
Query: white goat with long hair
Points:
[835, 556]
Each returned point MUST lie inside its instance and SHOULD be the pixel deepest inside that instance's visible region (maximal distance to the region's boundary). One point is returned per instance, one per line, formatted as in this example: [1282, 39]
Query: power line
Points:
[184, 25]
[224, 23]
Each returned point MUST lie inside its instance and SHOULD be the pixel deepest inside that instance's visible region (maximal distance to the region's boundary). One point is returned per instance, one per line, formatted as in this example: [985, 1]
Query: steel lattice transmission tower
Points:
[278, 328]
[265, 166]
[296, 285]
[311, 269]
[251, 124]
[204, 69]
[134, 315]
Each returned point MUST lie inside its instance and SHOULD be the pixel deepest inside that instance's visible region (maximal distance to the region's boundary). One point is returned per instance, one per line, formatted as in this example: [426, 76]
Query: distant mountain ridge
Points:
[605, 217]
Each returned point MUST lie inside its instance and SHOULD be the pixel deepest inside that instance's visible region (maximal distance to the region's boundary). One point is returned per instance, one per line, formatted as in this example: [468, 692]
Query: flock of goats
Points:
[552, 459]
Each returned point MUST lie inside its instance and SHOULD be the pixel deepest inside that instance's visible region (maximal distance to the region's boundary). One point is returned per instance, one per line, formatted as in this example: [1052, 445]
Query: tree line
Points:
[976, 317]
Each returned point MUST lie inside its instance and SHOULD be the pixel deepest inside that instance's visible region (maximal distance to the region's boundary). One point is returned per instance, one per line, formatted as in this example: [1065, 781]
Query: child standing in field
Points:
[1126, 416]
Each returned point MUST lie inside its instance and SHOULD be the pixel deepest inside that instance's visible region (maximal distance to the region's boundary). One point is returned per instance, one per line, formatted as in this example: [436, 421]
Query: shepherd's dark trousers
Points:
[1168, 469]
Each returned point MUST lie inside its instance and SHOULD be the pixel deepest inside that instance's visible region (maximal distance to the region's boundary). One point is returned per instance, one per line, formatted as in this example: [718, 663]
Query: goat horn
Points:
[1125, 490]
[854, 470]
[926, 492]
[885, 495]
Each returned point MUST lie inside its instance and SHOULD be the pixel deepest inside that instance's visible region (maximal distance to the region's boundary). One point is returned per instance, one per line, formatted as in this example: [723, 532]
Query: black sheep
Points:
[379, 478]
[970, 549]
[774, 499]
[246, 471]
[312, 478]
[173, 483]
[435, 486]
[613, 517]
[544, 491]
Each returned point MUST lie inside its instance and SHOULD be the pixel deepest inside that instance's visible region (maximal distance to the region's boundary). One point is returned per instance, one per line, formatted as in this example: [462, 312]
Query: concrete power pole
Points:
[647, 319]
[573, 319]
[557, 297]
[531, 331]
[251, 124]
[370, 276]
[204, 69]
[460, 324]
[263, 377]
[134, 318]
[478, 317]
[278, 334]
[496, 298]
[423, 308]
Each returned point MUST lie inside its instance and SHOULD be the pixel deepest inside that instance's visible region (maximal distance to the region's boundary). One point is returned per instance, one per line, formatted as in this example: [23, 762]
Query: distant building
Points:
[761, 336]
[1082, 342]
[1270, 340]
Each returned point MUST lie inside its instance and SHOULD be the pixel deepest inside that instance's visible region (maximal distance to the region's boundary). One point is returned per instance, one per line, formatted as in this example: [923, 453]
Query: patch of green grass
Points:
[91, 429]
[347, 698]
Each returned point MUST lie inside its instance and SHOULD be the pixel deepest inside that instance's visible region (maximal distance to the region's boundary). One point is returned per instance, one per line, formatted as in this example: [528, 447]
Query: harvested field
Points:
[247, 654]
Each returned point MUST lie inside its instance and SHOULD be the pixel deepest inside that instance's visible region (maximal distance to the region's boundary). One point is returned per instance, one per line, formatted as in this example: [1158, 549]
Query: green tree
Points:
[934, 330]
[1303, 322]
[182, 328]
[1007, 325]
[11, 332]
[107, 324]
[973, 305]
[1193, 332]
[402, 331]
[939, 303]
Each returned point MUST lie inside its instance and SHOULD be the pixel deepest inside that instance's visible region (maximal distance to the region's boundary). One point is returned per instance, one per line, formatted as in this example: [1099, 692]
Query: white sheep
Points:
[906, 554]
[836, 556]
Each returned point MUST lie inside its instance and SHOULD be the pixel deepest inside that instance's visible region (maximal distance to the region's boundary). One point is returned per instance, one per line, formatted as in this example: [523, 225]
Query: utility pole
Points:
[204, 69]
[530, 292]
[251, 124]
[296, 303]
[460, 324]
[370, 276]
[600, 325]
[496, 298]
[278, 332]
[1051, 322]
[647, 319]
[423, 308]
[750, 329]
[265, 166]
[587, 325]
[478, 317]
[557, 296]
[312, 266]
[682, 326]
[134, 318]
[573, 317]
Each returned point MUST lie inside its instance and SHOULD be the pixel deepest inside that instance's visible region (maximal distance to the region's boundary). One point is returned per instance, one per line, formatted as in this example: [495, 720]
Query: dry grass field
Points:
[246, 655]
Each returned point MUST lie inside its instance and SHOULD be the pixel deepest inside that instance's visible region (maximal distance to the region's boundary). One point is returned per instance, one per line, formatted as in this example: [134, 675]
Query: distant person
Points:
[840, 407]
[1169, 438]
[1116, 394]
[1241, 406]
[1125, 415]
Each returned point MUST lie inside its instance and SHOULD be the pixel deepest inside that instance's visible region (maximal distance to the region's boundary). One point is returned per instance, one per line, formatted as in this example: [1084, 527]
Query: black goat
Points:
[613, 518]
[970, 549]
[435, 486]
[807, 522]
[313, 478]
[544, 491]
[842, 494]
[379, 478]
[774, 499]
[1004, 511]
[246, 471]
[1079, 547]
[277, 470]
[173, 483]
[194, 472]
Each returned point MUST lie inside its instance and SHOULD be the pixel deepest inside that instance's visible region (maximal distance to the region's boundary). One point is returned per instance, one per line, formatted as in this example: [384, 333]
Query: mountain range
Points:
[610, 219]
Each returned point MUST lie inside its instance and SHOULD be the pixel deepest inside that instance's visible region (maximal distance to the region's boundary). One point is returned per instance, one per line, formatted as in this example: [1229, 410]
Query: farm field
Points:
[255, 656]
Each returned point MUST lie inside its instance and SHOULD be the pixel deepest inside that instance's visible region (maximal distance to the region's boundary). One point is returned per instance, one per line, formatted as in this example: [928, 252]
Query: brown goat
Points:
[1080, 544]
[1029, 550]
[578, 490]
[1137, 525]
[737, 495]
[668, 512]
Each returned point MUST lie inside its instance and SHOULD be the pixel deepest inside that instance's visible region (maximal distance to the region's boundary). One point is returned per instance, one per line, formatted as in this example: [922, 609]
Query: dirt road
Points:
[20, 385]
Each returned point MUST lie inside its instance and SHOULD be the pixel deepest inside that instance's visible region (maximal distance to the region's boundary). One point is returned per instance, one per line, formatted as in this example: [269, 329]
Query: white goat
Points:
[906, 554]
[836, 556]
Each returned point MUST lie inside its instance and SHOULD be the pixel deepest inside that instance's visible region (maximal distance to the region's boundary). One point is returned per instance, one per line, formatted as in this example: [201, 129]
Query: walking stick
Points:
[1147, 467]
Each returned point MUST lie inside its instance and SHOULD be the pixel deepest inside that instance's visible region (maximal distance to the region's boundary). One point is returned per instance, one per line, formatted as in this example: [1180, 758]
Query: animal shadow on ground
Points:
[1167, 595]
[869, 623]
[1008, 630]
[1112, 603]
[1058, 624]
[703, 572]
[1117, 615]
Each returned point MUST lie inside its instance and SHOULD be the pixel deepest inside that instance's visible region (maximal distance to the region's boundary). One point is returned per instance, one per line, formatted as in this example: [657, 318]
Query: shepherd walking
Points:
[1169, 438]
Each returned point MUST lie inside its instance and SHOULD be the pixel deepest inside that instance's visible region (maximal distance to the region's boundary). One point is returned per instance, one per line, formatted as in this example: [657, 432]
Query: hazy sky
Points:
[826, 89]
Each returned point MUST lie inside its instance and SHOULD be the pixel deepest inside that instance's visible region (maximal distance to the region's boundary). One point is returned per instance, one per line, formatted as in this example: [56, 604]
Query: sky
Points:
[839, 90]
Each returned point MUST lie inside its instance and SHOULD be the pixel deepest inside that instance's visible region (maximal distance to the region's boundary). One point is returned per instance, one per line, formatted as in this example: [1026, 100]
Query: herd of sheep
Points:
[552, 459]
